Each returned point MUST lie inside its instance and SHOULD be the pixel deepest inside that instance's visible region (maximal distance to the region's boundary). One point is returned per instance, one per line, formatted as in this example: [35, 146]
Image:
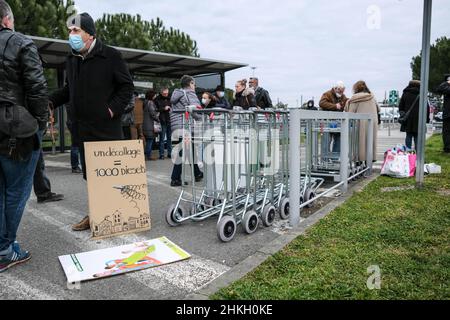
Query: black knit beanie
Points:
[83, 21]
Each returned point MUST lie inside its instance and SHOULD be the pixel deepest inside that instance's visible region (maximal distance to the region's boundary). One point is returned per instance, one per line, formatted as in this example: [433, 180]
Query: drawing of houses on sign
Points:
[104, 228]
[118, 225]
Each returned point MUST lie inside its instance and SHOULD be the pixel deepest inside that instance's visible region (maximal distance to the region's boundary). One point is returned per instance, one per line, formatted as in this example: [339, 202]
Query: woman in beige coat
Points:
[363, 101]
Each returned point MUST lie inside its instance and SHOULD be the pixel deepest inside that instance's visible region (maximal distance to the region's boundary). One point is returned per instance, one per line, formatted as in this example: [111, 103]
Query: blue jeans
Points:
[409, 139]
[74, 157]
[16, 180]
[166, 133]
[148, 147]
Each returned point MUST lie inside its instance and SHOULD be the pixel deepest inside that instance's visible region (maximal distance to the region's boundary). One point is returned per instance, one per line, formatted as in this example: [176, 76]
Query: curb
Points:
[252, 262]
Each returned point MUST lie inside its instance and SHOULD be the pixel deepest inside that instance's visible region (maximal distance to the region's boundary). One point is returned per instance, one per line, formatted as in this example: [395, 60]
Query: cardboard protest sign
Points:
[117, 187]
[114, 261]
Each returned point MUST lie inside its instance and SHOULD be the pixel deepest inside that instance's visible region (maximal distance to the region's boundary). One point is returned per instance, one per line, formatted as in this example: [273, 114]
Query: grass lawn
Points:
[405, 233]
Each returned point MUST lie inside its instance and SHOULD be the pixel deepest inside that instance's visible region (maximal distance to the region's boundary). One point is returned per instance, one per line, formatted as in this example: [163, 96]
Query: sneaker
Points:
[77, 170]
[50, 198]
[82, 225]
[16, 256]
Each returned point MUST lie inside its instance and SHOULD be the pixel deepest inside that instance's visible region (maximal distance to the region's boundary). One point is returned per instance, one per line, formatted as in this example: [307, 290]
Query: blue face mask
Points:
[76, 42]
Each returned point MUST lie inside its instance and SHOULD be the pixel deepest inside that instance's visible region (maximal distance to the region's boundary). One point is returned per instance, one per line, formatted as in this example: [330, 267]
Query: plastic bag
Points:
[157, 127]
[399, 163]
[432, 168]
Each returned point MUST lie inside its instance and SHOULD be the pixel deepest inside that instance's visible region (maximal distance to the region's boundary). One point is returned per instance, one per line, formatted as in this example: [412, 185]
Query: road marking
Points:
[23, 290]
[57, 164]
[188, 275]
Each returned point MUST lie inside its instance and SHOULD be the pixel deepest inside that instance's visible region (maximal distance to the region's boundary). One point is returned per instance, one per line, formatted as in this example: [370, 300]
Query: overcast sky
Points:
[300, 47]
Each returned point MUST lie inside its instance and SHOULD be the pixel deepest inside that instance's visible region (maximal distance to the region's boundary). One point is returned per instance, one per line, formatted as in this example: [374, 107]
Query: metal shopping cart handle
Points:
[212, 110]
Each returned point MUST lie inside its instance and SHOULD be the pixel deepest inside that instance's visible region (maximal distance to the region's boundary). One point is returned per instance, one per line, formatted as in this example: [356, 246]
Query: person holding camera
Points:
[444, 89]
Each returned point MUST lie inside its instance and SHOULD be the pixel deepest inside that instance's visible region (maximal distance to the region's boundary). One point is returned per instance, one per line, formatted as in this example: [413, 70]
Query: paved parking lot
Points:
[46, 232]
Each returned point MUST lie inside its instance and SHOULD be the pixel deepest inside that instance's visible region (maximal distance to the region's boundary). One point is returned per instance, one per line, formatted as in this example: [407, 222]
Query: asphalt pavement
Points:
[46, 232]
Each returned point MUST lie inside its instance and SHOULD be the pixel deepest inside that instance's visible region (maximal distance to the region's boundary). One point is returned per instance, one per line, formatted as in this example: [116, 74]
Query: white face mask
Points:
[221, 94]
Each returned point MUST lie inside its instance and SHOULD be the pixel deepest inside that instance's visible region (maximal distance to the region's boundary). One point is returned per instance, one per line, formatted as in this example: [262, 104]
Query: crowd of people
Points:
[103, 106]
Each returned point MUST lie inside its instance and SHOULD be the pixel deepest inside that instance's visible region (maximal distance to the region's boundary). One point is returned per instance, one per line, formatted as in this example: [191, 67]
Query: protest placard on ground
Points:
[114, 261]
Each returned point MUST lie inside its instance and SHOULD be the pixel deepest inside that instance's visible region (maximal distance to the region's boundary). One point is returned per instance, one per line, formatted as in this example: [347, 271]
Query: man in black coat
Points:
[262, 96]
[444, 89]
[409, 104]
[98, 88]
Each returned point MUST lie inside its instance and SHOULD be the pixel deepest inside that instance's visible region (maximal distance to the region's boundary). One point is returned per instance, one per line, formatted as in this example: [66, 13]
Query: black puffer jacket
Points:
[444, 89]
[161, 104]
[406, 103]
[245, 99]
[22, 80]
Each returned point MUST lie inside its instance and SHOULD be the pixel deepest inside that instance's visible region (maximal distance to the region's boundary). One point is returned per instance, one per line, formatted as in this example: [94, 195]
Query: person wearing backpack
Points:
[23, 112]
[409, 113]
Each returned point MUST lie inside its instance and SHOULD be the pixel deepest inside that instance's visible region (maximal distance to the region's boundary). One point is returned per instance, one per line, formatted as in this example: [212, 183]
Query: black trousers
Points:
[446, 134]
[178, 169]
[41, 183]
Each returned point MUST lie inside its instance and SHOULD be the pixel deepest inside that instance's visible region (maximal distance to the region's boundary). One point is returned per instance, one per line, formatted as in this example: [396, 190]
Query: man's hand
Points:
[111, 113]
[338, 106]
[167, 108]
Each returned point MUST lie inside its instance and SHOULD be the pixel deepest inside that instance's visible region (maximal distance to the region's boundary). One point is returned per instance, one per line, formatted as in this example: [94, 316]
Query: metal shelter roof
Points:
[140, 62]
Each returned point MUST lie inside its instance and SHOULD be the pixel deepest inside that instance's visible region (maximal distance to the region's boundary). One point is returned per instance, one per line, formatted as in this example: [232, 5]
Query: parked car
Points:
[388, 114]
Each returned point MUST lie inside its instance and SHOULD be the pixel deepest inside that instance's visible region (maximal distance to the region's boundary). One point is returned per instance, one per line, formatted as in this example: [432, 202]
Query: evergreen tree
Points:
[43, 18]
[439, 63]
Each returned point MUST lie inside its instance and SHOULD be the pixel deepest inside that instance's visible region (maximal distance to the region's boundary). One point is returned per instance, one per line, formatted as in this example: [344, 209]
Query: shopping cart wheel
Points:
[213, 202]
[352, 173]
[284, 209]
[226, 229]
[268, 215]
[250, 222]
[309, 194]
[173, 217]
[358, 170]
[199, 207]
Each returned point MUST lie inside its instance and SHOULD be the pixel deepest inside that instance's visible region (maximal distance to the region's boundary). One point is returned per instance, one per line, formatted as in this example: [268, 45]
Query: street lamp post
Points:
[424, 76]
